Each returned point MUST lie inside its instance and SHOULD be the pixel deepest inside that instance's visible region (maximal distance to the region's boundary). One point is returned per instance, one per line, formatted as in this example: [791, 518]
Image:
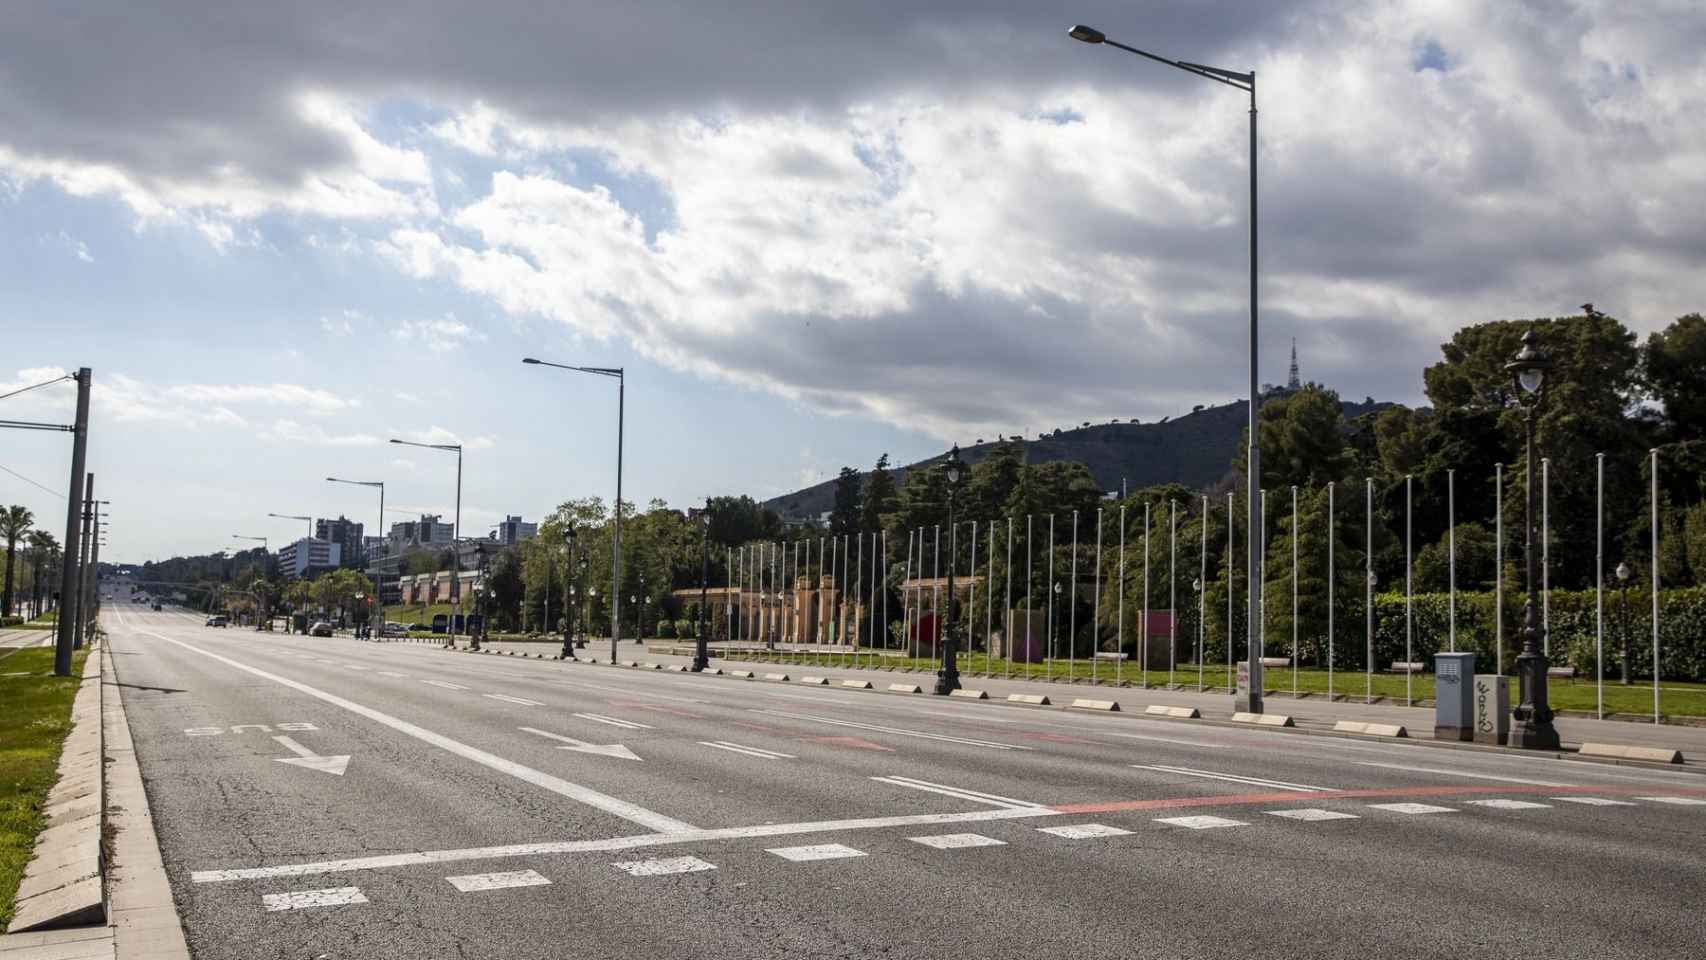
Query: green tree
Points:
[1303, 440]
[1673, 370]
[844, 515]
[879, 496]
[14, 523]
[1476, 554]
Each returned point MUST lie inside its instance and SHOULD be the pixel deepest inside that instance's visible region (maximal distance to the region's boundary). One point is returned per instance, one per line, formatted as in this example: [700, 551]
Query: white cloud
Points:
[74, 246]
[403, 396]
[439, 335]
[439, 435]
[290, 431]
[402, 464]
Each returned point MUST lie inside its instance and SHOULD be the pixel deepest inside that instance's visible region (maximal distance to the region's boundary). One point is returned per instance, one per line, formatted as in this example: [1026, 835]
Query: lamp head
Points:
[953, 464]
[1623, 571]
[1086, 34]
[528, 360]
[1530, 364]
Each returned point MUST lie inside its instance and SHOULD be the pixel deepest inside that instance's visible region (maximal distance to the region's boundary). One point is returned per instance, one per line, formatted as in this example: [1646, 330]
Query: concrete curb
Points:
[1035, 699]
[1162, 710]
[1626, 752]
[1264, 719]
[1371, 729]
[1111, 706]
[65, 882]
[969, 694]
[905, 688]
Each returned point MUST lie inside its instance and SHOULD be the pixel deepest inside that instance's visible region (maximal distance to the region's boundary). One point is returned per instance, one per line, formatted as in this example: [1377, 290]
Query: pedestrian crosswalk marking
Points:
[816, 851]
[1312, 814]
[1502, 804]
[1201, 822]
[659, 866]
[1084, 831]
[956, 841]
[1412, 808]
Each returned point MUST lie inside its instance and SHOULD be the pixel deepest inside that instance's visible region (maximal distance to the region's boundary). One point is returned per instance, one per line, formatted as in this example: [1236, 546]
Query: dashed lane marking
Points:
[1441, 771]
[1594, 801]
[498, 881]
[816, 851]
[1312, 814]
[522, 701]
[1503, 804]
[660, 867]
[301, 899]
[896, 731]
[1678, 801]
[1174, 740]
[1084, 831]
[749, 751]
[957, 841]
[613, 721]
[959, 793]
[1410, 808]
[1200, 822]
[392, 673]
[355, 666]
[445, 684]
[1233, 778]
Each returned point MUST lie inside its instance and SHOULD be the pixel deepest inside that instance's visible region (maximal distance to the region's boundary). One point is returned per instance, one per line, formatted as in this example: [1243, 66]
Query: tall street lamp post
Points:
[1531, 721]
[456, 527]
[616, 536]
[378, 575]
[948, 678]
[482, 564]
[1247, 700]
[701, 656]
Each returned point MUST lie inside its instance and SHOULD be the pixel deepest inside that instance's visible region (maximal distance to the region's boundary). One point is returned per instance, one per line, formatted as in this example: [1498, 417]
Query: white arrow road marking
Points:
[523, 701]
[581, 746]
[615, 806]
[749, 751]
[308, 758]
[1231, 778]
[613, 721]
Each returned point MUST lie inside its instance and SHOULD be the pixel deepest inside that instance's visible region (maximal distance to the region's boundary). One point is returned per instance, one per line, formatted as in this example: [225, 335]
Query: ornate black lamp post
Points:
[569, 608]
[484, 565]
[701, 657]
[1623, 575]
[948, 678]
[1531, 721]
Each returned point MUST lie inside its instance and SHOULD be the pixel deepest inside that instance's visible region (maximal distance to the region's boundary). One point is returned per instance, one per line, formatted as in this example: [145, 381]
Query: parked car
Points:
[218, 621]
[393, 629]
[156, 606]
[320, 629]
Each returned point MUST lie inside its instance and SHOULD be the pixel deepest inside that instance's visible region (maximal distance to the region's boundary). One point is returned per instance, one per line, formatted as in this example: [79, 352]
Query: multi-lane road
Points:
[329, 798]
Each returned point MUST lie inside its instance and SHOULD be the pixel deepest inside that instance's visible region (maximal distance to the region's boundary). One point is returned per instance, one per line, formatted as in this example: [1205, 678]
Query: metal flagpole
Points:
[1172, 593]
[858, 594]
[971, 601]
[1332, 537]
[1499, 569]
[1294, 539]
[1368, 589]
[833, 630]
[1231, 656]
[1048, 655]
[936, 596]
[1119, 616]
[1096, 617]
[1654, 471]
[989, 605]
[906, 603]
[1030, 591]
[1072, 606]
[1202, 599]
[1007, 633]
[1545, 557]
[1143, 633]
[1409, 596]
[1599, 587]
[847, 582]
[1451, 554]
[1262, 605]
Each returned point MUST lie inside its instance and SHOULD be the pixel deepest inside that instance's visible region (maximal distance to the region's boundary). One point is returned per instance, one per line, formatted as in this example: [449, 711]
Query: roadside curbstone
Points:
[1371, 729]
[1263, 719]
[969, 694]
[816, 681]
[1035, 699]
[1163, 710]
[1625, 752]
[1109, 706]
[857, 684]
[905, 688]
[743, 674]
[776, 676]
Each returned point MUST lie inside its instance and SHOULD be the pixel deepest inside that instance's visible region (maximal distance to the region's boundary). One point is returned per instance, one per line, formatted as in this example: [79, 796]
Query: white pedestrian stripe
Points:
[1678, 801]
[613, 721]
[956, 841]
[498, 881]
[1201, 822]
[1233, 778]
[1084, 831]
[1410, 808]
[1594, 801]
[1312, 814]
[960, 793]
[298, 899]
[661, 866]
[446, 685]
[816, 851]
[1511, 804]
[523, 701]
[749, 751]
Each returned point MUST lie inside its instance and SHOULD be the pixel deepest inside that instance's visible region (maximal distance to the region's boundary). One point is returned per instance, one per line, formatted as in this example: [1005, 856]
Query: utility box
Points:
[1492, 708]
[1454, 700]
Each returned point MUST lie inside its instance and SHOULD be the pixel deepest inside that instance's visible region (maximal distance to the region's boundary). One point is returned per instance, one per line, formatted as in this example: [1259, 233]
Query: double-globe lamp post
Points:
[455, 529]
[378, 575]
[948, 678]
[1531, 721]
[701, 653]
[616, 536]
[1249, 699]
[569, 609]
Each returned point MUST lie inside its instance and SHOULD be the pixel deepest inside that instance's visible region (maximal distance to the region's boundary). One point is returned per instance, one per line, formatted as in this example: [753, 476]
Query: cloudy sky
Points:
[813, 231]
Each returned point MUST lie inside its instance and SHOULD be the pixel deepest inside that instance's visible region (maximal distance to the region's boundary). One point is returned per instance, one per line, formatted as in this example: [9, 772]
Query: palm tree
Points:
[43, 551]
[14, 522]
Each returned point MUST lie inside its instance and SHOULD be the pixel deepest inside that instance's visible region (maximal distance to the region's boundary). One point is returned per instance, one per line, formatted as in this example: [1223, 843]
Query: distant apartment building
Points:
[427, 531]
[513, 530]
[344, 532]
[307, 557]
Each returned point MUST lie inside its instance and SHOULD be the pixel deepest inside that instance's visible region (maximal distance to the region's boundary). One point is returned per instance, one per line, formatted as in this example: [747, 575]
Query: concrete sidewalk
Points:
[1306, 711]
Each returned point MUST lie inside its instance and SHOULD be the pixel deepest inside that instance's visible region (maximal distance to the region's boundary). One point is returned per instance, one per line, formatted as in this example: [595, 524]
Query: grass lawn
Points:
[33, 725]
[407, 613]
[1676, 698]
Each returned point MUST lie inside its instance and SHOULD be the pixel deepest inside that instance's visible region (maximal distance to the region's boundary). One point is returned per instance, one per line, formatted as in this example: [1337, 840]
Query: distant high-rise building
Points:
[308, 556]
[427, 531]
[1293, 382]
[344, 532]
[515, 530]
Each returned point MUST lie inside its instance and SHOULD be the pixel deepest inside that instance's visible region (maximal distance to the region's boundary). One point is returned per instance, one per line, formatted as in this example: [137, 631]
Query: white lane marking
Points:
[1502, 804]
[581, 746]
[613, 721]
[749, 751]
[355, 666]
[1175, 740]
[298, 899]
[1678, 801]
[523, 701]
[656, 868]
[628, 811]
[1411, 808]
[897, 731]
[498, 881]
[1594, 801]
[954, 714]
[639, 841]
[1084, 831]
[956, 841]
[1312, 814]
[960, 793]
[308, 758]
[1201, 822]
[324, 660]
[1231, 778]
[816, 851]
[392, 673]
[1441, 771]
[445, 684]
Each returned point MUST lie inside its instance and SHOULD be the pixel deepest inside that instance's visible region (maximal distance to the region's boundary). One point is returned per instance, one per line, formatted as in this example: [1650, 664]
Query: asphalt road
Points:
[500, 807]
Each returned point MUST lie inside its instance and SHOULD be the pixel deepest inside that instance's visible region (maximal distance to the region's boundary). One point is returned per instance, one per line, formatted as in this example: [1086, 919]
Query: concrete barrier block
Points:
[630, 663]
[743, 674]
[1626, 752]
[857, 684]
[1109, 706]
[815, 681]
[965, 694]
[1263, 719]
[905, 688]
[1386, 730]
[1163, 710]
[1036, 699]
[677, 667]
[776, 676]
[1348, 726]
